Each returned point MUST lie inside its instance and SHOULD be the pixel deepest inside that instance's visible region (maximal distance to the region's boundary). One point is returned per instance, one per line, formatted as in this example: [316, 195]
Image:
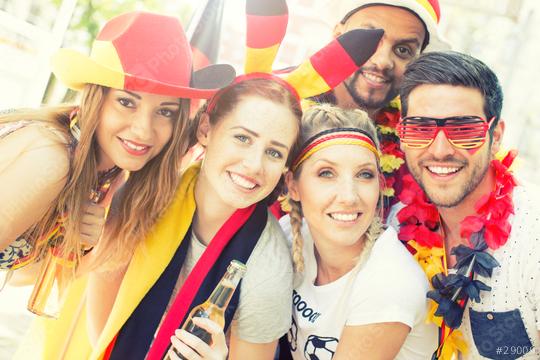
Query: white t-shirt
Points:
[264, 308]
[506, 322]
[390, 287]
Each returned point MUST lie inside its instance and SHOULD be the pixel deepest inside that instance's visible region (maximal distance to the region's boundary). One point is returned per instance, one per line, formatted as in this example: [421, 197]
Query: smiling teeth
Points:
[374, 78]
[133, 146]
[240, 181]
[442, 170]
[344, 217]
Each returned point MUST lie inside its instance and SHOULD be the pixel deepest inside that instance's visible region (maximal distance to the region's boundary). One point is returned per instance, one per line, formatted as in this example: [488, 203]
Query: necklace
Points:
[489, 228]
[105, 179]
[392, 158]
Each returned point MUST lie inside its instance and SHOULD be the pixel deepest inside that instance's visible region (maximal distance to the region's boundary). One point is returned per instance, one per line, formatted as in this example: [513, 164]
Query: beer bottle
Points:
[214, 307]
[57, 269]
[55, 273]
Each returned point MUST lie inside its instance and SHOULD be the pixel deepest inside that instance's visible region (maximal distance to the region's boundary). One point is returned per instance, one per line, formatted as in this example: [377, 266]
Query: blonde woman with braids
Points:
[132, 118]
[358, 293]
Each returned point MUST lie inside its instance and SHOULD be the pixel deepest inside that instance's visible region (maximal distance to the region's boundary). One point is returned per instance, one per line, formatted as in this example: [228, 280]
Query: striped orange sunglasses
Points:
[463, 132]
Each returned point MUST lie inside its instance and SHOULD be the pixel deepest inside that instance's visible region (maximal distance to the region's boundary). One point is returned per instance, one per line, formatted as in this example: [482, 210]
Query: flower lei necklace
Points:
[420, 227]
[392, 158]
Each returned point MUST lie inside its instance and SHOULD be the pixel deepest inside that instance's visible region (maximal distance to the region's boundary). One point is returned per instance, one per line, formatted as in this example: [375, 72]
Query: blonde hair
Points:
[316, 119]
[148, 191]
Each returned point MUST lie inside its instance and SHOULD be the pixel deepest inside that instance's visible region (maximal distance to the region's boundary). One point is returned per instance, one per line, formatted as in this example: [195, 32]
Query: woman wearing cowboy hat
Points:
[132, 118]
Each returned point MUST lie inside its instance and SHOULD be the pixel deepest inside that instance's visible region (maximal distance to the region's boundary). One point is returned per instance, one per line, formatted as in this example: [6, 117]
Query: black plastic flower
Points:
[440, 282]
[469, 287]
[451, 311]
[484, 263]
[444, 294]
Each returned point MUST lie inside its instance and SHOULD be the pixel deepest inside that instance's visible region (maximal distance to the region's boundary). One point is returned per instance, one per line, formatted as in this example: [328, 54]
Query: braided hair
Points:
[316, 119]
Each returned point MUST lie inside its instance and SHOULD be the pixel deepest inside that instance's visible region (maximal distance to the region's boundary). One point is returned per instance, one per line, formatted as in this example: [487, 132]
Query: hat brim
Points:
[336, 13]
[76, 70]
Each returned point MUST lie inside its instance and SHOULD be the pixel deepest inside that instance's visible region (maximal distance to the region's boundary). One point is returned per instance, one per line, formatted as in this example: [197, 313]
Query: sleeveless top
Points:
[17, 253]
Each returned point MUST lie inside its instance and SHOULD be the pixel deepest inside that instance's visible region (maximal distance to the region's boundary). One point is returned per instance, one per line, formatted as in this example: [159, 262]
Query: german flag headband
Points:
[266, 28]
[336, 136]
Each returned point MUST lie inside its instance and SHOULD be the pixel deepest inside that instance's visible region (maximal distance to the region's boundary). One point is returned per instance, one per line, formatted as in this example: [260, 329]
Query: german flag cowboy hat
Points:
[141, 51]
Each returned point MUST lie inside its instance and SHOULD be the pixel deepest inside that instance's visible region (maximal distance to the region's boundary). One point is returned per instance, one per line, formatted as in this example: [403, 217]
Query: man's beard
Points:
[474, 179]
[368, 103]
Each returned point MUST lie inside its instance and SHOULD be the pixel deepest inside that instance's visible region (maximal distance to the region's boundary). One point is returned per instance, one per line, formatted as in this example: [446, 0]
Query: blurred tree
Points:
[90, 15]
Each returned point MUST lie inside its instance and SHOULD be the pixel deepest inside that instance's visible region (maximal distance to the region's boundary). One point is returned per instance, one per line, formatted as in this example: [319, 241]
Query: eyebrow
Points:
[170, 103]
[139, 97]
[366, 164]
[132, 94]
[409, 41]
[401, 41]
[273, 142]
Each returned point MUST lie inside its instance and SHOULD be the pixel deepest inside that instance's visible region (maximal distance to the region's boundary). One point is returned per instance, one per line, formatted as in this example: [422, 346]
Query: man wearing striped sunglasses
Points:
[477, 236]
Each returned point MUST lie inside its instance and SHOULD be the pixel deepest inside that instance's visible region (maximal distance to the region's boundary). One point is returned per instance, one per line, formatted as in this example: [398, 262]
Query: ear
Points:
[339, 29]
[498, 133]
[203, 130]
[292, 186]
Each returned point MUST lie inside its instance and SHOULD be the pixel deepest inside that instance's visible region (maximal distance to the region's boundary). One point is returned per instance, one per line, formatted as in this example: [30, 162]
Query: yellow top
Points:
[67, 337]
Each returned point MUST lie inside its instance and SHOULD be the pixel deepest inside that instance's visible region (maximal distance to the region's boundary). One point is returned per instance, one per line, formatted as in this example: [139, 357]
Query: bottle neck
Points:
[222, 294]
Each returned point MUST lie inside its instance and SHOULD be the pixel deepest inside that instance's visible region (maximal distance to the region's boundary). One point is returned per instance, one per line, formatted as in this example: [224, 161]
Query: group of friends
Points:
[366, 191]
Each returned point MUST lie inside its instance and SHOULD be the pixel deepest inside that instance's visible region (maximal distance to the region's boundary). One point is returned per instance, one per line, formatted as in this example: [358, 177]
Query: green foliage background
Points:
[90, 15]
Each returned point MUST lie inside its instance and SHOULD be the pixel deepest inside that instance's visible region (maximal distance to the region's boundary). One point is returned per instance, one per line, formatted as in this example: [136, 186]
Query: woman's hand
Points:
[92, 225]
[193, 348]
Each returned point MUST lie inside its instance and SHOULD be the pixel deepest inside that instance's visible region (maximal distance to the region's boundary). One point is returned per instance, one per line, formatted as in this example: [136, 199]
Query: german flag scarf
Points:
[67, 336]
[236, 239]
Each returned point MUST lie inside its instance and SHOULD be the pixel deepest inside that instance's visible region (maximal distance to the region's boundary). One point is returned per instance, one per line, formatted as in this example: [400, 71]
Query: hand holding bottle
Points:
[191, 347]
[202, 336]
[57, 267]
